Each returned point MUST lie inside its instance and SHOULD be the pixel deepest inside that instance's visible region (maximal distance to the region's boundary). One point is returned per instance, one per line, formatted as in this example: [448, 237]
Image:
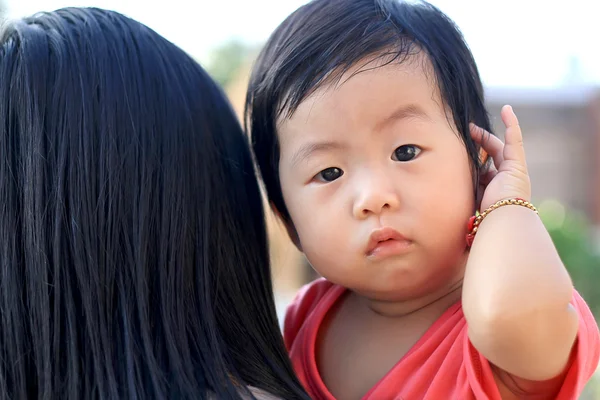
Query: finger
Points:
[490, 143]
[513, 147]
[486, 178]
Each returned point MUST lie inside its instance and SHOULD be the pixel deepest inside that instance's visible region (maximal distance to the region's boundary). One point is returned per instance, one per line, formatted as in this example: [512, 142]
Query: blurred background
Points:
[541, 57]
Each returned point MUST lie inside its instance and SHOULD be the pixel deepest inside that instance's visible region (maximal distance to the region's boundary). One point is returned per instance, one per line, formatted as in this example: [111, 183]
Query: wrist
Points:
[477, 219]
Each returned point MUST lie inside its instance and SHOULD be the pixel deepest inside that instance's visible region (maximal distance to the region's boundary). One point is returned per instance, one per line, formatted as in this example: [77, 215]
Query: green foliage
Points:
[592, 389]
[572, 236]
[227, 59]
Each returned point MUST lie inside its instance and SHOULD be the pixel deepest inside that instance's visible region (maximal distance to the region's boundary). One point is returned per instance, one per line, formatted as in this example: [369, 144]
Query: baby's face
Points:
[376, 158]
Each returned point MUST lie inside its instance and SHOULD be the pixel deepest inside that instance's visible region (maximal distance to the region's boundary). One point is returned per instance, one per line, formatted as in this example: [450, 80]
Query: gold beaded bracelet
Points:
[475, 220]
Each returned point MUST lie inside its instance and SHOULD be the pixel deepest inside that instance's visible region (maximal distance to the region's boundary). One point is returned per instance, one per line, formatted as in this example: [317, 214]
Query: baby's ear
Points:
[289, 227]
[483, 156]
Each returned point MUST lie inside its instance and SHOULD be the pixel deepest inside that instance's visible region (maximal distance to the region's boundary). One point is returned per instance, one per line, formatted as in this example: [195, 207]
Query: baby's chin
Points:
[407, 283]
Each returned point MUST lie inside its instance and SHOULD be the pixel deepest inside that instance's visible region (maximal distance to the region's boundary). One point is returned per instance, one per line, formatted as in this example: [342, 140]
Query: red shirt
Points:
[443, 364]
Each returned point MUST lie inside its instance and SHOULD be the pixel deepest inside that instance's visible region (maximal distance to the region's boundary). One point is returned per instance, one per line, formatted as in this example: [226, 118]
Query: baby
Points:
[439, 279]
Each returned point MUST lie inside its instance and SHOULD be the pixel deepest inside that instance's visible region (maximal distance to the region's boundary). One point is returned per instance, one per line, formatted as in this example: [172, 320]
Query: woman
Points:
[133, 253]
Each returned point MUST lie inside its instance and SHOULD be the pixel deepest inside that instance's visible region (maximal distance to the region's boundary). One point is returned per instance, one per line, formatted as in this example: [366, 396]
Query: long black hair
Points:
[323, 39]
[133, 254]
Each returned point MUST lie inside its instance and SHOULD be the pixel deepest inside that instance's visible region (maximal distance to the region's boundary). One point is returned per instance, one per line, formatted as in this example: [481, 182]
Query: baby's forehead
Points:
[303, 87]
[366, 93]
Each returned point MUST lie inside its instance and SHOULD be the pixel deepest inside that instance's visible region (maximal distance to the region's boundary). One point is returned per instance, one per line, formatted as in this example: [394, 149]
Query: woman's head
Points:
[133, 254]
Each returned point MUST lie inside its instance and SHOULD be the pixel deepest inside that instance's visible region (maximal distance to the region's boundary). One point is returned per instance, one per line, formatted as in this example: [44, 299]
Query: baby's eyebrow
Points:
[310, 148]
[406, 111]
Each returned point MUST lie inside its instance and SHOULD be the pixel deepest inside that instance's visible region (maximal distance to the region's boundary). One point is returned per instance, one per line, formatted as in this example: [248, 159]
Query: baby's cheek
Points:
[329, 262]
[445, 227]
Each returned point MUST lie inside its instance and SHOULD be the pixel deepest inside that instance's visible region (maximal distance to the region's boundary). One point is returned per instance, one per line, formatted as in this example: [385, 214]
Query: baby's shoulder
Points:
[305, 302]
[308, 297]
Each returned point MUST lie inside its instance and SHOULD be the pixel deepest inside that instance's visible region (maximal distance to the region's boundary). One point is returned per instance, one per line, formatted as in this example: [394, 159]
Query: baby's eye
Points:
[329, 174]
[406, 153]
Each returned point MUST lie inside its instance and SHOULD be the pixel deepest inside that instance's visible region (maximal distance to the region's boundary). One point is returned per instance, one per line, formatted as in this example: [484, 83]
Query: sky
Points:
[516, 43]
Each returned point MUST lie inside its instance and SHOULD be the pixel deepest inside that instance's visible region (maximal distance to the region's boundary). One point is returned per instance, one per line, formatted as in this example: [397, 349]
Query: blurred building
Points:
[561, 129]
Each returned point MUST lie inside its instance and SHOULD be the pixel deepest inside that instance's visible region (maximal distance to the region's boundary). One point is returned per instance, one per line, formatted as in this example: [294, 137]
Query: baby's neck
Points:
[436, 302]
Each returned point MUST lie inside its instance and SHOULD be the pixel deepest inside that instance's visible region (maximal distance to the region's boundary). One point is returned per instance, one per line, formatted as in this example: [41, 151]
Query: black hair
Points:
[323, 39]
[133, 253]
